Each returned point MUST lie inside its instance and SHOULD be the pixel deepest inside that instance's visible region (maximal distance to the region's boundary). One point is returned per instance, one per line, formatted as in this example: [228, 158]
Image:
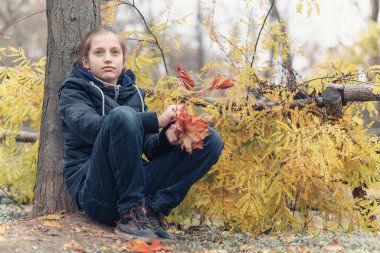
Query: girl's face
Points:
[105, 57]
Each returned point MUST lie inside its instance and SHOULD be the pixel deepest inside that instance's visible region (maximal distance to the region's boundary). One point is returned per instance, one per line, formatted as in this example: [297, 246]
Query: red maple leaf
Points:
[225, 84]
[185, 78]
[192, 130]
[215, 82]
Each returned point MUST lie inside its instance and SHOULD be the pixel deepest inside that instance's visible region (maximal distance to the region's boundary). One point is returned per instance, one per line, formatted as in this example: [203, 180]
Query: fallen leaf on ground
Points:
[73, 245]
[53, 216]
[153, 246]
[52, 224]
[88, 230]
[2, 232]
[334, 245]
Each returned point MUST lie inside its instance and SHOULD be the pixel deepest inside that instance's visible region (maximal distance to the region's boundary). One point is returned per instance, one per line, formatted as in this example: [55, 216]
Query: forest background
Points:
[283, 167]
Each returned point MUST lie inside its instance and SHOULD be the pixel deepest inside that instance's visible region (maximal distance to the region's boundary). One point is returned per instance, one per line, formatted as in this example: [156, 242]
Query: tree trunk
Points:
[201, 51]
[68, 22]
[374, 10]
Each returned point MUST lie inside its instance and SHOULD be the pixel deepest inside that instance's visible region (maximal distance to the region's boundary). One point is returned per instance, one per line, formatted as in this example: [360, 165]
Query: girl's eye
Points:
[98, 52]
[116, 52]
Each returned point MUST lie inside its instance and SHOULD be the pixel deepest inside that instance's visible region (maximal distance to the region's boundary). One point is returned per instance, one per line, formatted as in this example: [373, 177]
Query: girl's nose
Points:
[107, 57]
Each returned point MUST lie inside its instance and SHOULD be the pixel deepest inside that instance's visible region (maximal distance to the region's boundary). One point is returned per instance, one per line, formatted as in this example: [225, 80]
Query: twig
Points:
[340, 78]
[224, 51]
[19, 20]
[232, 44]
[248, 30]
[11, 198]
[150, 32]
[169, 8]
[261, 29]
[140, 40]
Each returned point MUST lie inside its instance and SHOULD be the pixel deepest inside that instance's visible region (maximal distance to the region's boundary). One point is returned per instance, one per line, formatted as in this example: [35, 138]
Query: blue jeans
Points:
[118, 179]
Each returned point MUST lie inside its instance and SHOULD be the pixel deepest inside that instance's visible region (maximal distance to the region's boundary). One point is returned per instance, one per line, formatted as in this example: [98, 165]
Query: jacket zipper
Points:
[117, 92]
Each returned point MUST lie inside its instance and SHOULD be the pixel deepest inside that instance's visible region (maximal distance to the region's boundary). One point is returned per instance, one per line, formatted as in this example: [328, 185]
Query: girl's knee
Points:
[126, 117]
[123, 112]
[214, 142]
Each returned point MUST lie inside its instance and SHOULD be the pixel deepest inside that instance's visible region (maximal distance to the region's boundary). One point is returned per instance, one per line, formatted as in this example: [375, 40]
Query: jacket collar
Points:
[126, 78]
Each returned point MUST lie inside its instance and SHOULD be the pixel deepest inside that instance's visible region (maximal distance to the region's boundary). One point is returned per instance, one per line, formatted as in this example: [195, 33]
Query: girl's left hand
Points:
[168, 116]
[172, 134]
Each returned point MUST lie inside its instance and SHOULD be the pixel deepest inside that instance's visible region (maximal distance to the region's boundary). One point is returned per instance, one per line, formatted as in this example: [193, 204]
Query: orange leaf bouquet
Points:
[192, 130]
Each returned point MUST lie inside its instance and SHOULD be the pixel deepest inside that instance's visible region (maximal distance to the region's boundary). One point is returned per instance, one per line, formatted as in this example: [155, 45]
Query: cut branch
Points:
[332, 100]
[356, 92]
[22, 136]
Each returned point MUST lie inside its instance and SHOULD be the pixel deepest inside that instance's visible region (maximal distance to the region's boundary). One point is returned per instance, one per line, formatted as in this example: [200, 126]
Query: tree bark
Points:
[68, 22]
[356, 92]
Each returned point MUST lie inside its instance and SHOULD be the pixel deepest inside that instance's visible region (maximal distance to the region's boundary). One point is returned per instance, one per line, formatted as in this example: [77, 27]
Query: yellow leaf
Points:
[52, 224]
[53, 216]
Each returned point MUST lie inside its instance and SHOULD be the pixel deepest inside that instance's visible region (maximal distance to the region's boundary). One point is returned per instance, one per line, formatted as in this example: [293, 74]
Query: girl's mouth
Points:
[108, 68]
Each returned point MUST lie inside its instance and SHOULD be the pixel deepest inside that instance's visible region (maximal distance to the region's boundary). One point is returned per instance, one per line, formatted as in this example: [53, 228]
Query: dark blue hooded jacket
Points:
[84, 103]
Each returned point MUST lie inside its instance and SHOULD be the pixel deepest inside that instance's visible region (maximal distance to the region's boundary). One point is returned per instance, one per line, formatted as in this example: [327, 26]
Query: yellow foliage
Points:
[280, 165]
[21, 89]
[310, 5]
[108, 12]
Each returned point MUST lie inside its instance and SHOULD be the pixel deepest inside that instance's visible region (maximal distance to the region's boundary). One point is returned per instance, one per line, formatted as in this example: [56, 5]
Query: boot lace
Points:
[138, 216]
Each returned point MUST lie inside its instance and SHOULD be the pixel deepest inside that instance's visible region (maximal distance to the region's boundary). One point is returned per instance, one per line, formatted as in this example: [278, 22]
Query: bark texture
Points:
[332, 100]
[68, 23]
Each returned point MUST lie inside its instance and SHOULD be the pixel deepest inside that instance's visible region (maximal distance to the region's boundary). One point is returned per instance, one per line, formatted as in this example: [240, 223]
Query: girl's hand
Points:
[168, 116]
[173, 135]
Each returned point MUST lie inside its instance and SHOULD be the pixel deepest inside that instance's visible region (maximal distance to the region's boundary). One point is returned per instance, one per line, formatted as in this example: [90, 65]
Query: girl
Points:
[107, 127]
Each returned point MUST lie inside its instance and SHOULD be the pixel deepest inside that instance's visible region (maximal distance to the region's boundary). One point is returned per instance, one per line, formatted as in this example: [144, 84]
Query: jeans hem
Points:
[156, 208]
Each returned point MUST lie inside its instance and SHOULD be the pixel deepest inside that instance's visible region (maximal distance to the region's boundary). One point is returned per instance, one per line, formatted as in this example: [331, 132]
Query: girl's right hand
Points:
[168, 116]
[172, 135]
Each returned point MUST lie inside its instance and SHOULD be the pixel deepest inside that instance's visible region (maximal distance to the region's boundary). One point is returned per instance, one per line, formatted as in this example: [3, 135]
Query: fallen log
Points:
[333, 98]
[329, 98]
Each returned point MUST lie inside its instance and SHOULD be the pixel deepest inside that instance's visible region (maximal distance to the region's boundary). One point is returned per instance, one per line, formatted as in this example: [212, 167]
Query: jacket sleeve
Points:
[149, 121]
[79, 114]
[156, 145]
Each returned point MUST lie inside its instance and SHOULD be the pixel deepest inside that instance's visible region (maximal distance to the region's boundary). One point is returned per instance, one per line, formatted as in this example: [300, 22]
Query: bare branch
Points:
[150, 32]
[140, 40]
[232, 44]
[19, 20]
[261, 29]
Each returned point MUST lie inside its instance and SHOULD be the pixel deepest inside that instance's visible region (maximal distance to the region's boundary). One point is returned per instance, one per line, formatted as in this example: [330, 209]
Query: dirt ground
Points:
[65, 233]
[68, 232]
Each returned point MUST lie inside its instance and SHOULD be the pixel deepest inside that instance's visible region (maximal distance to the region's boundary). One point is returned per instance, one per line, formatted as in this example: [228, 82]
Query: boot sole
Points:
[131, 237]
